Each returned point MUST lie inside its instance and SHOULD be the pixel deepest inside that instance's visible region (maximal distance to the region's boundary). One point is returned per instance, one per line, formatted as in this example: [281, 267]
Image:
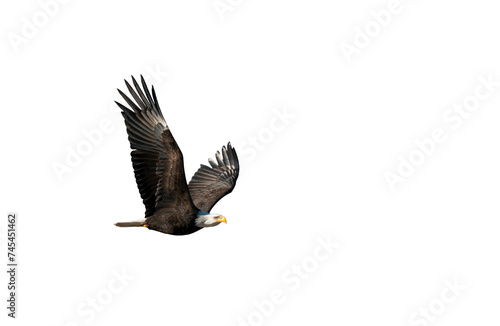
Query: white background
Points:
[320, 175]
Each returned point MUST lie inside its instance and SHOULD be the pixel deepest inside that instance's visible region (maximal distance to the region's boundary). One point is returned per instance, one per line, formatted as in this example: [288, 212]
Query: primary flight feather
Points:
[172, 206]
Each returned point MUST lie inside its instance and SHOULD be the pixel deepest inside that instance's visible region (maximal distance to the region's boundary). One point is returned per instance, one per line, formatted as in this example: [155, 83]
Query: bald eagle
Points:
[172, 206]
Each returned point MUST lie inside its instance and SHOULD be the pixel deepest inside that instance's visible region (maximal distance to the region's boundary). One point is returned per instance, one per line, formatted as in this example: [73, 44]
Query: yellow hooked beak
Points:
[221, 219]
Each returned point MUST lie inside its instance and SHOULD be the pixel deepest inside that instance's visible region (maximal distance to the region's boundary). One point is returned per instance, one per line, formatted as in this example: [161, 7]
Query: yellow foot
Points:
[146, 225]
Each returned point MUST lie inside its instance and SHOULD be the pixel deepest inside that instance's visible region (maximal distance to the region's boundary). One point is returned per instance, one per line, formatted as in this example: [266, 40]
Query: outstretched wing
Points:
[156, 157]
[210, 184]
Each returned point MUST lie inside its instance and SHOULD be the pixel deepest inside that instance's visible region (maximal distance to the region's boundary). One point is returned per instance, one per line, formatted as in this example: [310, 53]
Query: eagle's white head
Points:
[205, 219]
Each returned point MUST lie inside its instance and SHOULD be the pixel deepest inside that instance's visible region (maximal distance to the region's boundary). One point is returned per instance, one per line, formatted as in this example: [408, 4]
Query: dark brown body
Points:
[168, 222]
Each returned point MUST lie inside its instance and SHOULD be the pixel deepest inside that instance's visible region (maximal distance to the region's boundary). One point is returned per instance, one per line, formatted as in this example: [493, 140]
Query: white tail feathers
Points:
[131, 224]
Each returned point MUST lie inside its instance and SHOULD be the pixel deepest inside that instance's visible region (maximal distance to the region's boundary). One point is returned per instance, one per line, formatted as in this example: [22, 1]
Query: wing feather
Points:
[156, 157]
[210, 184]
